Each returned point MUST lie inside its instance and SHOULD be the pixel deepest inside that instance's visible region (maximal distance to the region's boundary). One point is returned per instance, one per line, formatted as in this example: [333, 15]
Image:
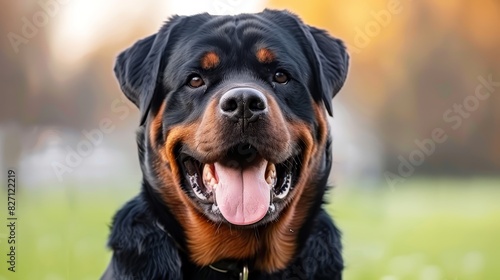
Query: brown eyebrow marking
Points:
[209, 60]
[265, 55]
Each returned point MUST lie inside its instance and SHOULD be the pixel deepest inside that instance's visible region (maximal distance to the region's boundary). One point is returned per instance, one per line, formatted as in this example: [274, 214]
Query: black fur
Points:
[146, 239]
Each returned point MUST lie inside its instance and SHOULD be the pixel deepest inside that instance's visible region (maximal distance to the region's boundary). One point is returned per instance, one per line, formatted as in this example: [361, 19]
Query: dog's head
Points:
[234, 131]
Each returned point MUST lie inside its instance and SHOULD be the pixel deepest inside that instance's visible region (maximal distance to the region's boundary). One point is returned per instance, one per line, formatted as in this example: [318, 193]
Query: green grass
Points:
[61, 234]
[424, 229]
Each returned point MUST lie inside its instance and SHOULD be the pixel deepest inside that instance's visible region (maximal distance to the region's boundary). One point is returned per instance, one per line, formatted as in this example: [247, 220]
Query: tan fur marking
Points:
[155, 126]
[265, 55]
[209, 60]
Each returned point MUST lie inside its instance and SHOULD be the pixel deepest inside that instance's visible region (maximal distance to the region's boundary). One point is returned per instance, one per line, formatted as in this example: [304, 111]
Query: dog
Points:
[235, 150]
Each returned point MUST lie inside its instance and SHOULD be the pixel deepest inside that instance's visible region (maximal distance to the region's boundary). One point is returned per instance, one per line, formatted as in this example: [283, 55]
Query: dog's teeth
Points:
[209, 185]
[207, 173]
[269, 180]
[271, 174]
[215, 208]
[272, 208]
[208, 176]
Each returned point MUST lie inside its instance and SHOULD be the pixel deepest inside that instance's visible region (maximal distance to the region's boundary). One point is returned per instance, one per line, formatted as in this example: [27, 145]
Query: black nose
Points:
[243, 103]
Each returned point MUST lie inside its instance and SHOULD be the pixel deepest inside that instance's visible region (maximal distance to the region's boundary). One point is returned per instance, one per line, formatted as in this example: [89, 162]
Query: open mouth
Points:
[243, 187]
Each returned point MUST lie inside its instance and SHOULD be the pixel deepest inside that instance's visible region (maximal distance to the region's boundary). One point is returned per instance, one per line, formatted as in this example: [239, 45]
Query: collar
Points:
[231, 268]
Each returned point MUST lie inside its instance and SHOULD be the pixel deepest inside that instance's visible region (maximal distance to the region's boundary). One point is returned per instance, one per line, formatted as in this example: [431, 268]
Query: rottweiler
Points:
[235, 150]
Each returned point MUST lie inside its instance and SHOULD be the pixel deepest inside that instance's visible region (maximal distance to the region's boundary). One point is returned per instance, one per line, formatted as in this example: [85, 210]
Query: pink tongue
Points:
[243, 195]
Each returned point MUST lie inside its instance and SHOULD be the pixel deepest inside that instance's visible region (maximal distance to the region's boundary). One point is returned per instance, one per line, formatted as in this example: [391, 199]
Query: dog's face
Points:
[234, 127]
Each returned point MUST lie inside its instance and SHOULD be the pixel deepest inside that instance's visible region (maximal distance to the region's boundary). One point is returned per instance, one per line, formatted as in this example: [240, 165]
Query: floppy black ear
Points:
[137, 68]
[332, 64]
[327, 55]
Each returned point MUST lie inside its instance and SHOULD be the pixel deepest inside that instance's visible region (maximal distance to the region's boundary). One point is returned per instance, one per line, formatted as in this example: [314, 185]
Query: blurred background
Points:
[416, 131]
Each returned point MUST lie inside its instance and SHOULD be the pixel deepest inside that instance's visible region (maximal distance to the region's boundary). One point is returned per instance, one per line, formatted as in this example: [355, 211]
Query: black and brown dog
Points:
[234, 148]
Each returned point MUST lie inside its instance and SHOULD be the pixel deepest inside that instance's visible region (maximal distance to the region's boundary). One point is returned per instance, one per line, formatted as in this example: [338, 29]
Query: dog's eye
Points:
[280, 77]
[195, 81]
